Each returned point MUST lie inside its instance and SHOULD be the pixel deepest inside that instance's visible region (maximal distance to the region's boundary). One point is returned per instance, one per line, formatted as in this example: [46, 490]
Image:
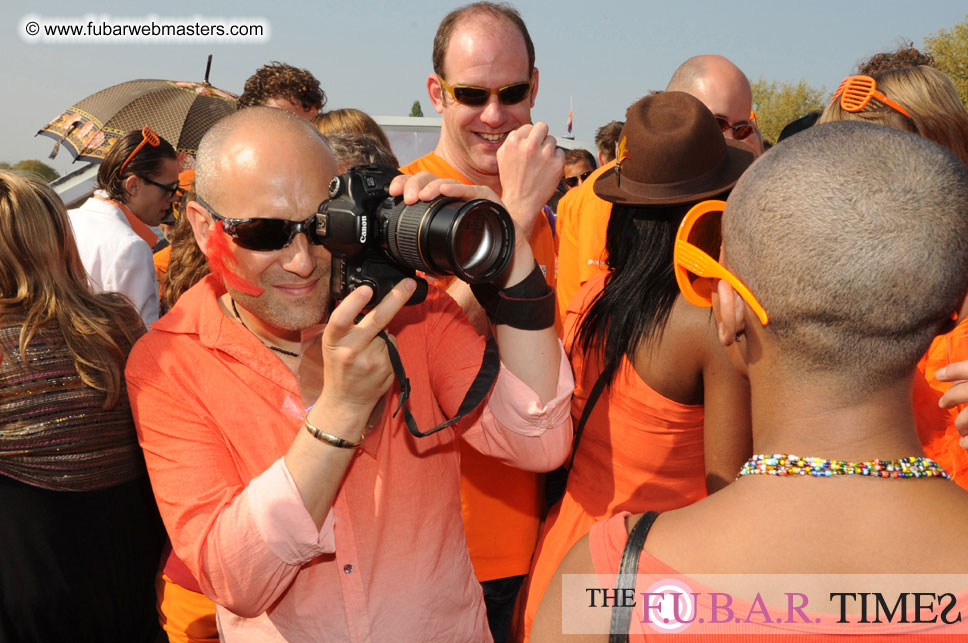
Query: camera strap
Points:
[476, 392]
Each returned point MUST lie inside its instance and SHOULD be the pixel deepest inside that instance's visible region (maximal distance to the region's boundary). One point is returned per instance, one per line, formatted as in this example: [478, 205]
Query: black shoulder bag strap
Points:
[627, 569]
[557, 480]
[585, 413]
[478, 390]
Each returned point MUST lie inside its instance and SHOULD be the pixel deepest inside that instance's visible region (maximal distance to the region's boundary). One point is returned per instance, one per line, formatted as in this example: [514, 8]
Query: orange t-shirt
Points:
[501, 505]
[936, 426]
[582, 221]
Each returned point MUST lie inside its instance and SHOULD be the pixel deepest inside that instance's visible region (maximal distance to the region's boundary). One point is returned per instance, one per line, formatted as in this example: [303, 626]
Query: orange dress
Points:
[639, 451]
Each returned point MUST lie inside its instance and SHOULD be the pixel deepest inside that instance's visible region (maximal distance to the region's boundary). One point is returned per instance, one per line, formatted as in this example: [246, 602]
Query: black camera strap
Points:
[476, 392]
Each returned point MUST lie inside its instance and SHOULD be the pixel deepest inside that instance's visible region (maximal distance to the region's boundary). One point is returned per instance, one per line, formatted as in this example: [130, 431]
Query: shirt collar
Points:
[198, 312]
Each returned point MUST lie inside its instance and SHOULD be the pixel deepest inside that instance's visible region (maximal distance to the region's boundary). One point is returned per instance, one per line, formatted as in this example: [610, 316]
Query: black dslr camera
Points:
[378, 240]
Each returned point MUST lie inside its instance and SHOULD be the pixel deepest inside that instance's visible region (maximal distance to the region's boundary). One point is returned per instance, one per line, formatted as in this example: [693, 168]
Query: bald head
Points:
[718, 83]
[852, 237]
[253, 143]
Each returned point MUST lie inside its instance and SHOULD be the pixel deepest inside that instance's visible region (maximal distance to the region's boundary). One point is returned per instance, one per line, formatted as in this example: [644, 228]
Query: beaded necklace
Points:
[780, 464]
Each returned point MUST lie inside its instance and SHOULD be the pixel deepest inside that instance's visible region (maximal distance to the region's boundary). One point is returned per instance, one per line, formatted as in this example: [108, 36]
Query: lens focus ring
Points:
[403, 236]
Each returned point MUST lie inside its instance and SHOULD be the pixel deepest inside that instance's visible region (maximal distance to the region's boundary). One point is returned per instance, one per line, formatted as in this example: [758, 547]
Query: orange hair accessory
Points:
[147, 136]
[218, 251]
[857, 91]
[699, 237]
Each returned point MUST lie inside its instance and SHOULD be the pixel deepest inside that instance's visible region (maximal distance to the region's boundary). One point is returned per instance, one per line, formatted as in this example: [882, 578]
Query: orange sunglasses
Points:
[699, 239]
[857, 91]
[147, 136]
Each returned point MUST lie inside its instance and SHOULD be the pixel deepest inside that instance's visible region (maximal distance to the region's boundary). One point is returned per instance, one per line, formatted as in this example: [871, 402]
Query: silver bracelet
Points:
[331, 440]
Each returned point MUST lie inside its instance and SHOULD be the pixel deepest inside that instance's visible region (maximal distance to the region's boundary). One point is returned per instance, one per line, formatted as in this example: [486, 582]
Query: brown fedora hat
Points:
[675, 154]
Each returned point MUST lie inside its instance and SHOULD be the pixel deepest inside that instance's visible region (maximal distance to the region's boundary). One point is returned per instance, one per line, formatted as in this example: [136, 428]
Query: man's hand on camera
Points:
[356, 365]
[530, 166]
[424, 186]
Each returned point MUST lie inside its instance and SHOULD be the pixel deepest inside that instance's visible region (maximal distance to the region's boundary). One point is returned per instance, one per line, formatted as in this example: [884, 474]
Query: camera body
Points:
[377, 240]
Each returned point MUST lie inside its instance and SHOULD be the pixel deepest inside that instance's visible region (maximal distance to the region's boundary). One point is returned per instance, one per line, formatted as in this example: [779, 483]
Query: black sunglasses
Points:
[475, 96]
[264, 234]
[172, 191]
[573, 181]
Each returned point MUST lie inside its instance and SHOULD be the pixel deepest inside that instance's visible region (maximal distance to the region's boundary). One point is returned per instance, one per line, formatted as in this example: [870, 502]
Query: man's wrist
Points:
[528, 304]
[522, 263]
[339, 419]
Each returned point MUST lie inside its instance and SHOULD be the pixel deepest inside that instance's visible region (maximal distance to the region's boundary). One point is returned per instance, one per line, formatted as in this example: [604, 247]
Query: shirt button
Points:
[348, 569]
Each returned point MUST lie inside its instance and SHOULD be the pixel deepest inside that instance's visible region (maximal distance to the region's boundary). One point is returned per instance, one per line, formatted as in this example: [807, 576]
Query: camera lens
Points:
[471, 239]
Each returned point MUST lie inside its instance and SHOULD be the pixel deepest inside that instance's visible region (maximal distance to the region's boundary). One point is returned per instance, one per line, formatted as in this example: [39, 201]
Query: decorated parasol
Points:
[179, 111]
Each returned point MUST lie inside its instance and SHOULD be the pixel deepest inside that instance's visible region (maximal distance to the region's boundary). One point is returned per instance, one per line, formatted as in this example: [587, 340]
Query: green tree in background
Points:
[950, 50]
[777, 104]
[5, 166]
[39, 168]
[415, 109]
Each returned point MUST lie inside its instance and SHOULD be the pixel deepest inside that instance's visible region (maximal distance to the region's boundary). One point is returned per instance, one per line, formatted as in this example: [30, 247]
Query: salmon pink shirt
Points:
[216, 411]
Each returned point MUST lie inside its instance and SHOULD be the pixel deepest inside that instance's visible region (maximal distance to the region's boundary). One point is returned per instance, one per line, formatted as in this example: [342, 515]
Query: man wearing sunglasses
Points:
[579, 164]
[137, 184]
[725, 91]
[483, 85]
[332, 523]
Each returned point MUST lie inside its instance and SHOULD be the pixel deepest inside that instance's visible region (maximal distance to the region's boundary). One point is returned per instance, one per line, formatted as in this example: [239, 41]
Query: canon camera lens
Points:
[471, 239]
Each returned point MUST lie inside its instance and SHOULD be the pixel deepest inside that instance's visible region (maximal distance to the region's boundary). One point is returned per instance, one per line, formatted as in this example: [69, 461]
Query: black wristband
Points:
[528, 305]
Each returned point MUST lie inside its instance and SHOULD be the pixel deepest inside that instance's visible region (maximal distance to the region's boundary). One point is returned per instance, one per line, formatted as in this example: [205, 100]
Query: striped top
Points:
[53, 432]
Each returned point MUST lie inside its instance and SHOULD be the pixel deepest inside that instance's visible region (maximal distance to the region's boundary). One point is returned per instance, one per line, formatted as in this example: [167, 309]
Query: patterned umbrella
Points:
[179, 111]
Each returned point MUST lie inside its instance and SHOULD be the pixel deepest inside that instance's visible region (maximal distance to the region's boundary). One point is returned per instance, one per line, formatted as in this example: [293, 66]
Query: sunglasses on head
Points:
[575, 181]
[698, 240]
[264, 234]
[474, 96]
[857, 91]
[741, 129]
[148, 137]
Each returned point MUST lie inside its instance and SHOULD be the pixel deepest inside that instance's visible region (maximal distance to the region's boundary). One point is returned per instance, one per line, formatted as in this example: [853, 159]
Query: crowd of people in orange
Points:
[210, 438]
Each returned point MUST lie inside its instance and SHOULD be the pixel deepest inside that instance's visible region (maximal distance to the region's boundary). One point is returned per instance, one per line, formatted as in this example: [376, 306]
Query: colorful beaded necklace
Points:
[779, 464]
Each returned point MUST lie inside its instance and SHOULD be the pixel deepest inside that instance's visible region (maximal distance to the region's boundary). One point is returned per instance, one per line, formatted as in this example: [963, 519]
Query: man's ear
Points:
[200, 221]
[436, 93]
[132, 185]
[534, 86]
[957, 316]
[729, 310]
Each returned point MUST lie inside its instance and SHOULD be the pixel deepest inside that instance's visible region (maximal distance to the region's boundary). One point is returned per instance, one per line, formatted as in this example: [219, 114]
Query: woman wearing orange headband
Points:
[920, 100]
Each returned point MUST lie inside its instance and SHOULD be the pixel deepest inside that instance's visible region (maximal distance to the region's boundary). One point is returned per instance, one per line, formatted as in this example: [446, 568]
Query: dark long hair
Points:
[640, 288]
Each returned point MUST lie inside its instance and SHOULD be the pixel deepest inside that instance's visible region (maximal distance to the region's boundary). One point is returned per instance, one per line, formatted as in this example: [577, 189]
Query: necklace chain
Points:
[780, 464]
[269, 346]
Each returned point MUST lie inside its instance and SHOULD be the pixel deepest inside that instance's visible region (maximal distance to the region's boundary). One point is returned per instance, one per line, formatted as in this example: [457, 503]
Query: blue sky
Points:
[376, 55]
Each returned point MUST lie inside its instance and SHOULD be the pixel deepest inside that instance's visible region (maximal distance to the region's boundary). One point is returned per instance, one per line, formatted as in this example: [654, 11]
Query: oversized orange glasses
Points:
[699, 239]
[857, 91]
[148, 137]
